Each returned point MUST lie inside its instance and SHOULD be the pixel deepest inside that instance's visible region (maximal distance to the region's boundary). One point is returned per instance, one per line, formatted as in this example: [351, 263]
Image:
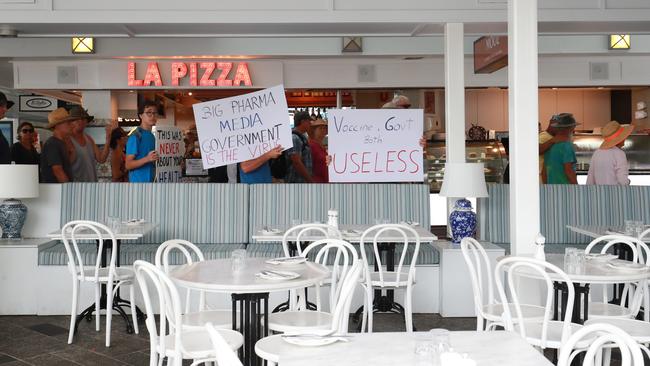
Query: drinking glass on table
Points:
[570, 259]
[639, 226]
[113, 222]
[630, 226]
[440, 343]
[237, 258]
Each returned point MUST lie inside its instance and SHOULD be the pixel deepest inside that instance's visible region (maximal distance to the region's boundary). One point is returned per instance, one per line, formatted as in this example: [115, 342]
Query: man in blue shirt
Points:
[141, 146]
[258, 170]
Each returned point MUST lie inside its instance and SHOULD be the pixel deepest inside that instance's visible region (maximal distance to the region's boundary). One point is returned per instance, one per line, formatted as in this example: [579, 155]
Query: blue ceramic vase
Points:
[12, 217]
[462, 221]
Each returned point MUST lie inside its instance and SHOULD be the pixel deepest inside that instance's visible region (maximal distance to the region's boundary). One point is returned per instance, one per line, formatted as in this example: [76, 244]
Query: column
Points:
[100, 103]
[454, 99]
[523, 106]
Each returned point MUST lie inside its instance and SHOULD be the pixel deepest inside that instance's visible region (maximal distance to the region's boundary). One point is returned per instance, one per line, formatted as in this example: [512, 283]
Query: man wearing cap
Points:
[86, 153]
[55, 157]
[608, 164]
[300, 161]
[5, 153]
[560, 159]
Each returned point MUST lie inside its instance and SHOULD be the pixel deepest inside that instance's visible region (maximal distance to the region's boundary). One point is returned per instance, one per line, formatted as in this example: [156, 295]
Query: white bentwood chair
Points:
[269, 348]
[306, 233]
[402, 277]
[543, 333]
[488, 311]
[113, 277]
[225, 356]
[296, 321]
[170, 338]
[600, 338]
[219, 318]
[633, 294]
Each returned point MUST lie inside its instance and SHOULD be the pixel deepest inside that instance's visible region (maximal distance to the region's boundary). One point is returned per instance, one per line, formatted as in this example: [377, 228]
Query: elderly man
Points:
[86, 153]
[55, 157]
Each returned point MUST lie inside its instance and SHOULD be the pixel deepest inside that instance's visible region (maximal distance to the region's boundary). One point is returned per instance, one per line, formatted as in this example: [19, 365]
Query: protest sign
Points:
[169, 140]
[375, 145]
[241, 128]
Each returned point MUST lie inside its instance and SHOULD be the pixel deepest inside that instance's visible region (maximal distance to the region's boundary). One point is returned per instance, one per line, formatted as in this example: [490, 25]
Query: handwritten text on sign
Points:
[375, 145]
[168, 143]
[232, 130]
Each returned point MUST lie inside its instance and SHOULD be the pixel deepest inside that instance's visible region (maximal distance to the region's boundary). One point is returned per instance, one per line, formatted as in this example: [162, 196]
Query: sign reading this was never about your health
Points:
[241, 128]
[168, 146]
[375, 145]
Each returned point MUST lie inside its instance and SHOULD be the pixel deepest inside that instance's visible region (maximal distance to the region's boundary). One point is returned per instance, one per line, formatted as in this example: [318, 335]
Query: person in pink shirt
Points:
[608, 164]
[317, 133]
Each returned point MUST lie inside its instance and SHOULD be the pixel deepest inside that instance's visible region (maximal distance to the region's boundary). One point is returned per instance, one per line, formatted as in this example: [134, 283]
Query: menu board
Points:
[241, 128]
[375, 145]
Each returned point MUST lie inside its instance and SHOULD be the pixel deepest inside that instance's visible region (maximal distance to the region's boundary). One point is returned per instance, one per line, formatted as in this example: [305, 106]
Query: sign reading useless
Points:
[168, 144]
[241, 128]
[375, 145]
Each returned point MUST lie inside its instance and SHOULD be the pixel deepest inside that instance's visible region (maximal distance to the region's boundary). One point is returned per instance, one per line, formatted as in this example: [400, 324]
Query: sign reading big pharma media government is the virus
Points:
[241, 128]
[217, 74]
[375, 145]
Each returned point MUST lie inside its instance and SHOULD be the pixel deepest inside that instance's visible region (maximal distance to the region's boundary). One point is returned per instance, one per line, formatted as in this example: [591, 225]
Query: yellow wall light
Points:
[83, 45]
[619, 42]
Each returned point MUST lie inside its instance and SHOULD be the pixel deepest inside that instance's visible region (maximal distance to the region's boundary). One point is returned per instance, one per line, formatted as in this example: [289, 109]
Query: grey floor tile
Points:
[135, 358]
[87, 357]
[49, 329]
[32, 346]
[6, 359]
[49, 360]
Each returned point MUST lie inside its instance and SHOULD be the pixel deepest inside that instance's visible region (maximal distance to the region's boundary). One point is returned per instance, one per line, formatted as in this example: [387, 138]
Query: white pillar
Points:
[455, 92]
[101, 104]
[523, 106]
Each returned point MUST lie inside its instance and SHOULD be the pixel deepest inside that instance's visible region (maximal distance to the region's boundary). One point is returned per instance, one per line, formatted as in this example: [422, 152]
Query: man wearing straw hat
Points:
[55, 159]
[609, 164]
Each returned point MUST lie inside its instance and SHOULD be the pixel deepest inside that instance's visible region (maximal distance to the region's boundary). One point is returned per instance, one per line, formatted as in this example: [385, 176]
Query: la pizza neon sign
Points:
[200, 74]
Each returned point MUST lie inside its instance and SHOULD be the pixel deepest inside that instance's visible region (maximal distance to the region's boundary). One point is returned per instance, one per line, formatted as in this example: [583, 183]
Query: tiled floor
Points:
[42, 340]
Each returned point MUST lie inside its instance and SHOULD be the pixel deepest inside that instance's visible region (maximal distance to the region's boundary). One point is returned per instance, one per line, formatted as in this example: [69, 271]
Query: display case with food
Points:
[489, 152]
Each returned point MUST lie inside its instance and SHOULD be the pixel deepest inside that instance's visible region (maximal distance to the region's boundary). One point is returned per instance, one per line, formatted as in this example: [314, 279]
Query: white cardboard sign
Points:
[169, 140]
[375, 145]
[241, 128]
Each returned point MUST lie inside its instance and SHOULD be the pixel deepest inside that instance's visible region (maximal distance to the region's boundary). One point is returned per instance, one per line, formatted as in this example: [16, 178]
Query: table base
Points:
[252, 308]
[118, 304]
[560, 308]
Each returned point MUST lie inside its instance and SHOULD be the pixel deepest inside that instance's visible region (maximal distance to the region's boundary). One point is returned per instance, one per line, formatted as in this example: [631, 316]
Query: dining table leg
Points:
[252, 309]
[580, 306]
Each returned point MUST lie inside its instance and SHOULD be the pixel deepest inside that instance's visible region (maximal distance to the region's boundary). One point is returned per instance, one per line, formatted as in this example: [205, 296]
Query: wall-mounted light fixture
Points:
[83, 45]
[619, 42]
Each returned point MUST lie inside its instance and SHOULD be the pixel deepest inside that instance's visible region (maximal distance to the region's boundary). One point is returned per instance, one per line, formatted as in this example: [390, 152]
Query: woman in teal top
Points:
[560, 159]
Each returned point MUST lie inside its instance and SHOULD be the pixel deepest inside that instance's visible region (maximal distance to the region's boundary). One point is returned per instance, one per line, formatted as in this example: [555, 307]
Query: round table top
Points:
[596, 272]
[217, 276]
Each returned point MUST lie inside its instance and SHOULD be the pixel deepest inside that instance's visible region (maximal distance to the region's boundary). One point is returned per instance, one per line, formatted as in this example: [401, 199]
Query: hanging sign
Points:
[168, 145]
[241, 128]
[490, 54]
[375, 145]
[216, 74]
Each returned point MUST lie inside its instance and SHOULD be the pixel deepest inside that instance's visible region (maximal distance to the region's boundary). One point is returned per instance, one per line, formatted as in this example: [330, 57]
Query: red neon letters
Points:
[200, 74]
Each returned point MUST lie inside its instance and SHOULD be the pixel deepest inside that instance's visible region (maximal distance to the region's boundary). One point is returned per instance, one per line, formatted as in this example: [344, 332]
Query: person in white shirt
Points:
[608, 164]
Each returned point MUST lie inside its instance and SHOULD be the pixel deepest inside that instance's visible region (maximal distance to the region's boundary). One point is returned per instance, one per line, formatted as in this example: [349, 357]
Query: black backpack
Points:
[280, 165]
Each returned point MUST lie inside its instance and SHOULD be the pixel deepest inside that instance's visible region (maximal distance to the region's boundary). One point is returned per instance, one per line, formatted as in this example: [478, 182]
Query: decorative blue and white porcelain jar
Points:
[12, 217]
[462, 221]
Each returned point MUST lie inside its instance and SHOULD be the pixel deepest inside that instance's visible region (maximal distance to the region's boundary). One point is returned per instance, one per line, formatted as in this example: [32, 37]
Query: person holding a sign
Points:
[300, 161]
[86, 153]
[141, 146]
[258, 170]
[317, 135]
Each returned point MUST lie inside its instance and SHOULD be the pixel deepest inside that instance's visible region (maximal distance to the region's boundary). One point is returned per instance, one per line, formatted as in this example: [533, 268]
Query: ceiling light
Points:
[190, 93]
[83, 45]
[619, 42]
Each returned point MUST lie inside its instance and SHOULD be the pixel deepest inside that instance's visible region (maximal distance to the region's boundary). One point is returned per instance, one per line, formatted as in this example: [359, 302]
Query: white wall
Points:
[44, 212]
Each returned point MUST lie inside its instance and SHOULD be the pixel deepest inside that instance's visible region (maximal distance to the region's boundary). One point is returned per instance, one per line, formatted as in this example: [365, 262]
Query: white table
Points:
[351, 233]
[594, 272]
[594, 231]
[497, 348]
[121, 232]
[249, 291]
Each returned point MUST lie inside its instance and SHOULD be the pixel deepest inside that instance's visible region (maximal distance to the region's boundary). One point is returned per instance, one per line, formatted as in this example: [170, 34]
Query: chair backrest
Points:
[344, 256]
[306, 233]
[169, 306]
[190, 252]
[225, 355]
[402, 232]
[341, 312]
[480, 272]
[644, 235]
[517, 268]
[74, 231]
[640, 254]
[601, 335]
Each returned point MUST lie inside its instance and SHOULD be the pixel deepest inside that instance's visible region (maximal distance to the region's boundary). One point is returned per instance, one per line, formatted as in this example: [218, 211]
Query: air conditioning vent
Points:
[66, 75]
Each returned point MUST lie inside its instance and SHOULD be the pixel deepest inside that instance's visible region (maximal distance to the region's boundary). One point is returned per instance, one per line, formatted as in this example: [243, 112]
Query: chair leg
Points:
[109, 312]
[607, 357]
[134, 314]
[480, 323]
[364, 316]
[370, 308]
[408, 316]
[98, 287]
[73, 312]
